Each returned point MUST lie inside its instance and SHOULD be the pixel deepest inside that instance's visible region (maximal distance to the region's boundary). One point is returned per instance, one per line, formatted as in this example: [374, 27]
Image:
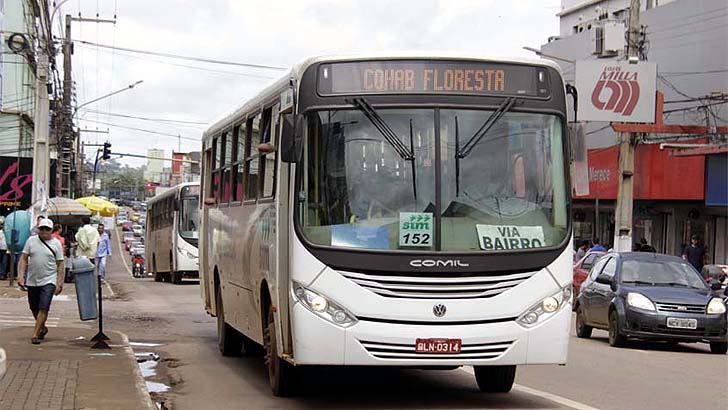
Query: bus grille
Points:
[394, 351]
[418, 287]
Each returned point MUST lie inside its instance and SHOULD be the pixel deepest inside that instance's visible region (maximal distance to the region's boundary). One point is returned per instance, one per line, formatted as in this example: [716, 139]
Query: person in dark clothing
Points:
[646, 247]
[636, 247]
[695, 253]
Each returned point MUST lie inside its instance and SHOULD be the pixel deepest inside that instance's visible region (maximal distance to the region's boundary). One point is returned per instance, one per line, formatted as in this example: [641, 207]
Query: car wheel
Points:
[229, 340]
[495, 379]
[616, 338]
[583, 330]
[281, 374]
[719, 347]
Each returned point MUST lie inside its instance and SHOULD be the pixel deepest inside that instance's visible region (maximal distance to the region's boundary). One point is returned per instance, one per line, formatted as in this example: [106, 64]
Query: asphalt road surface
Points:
[642, 376]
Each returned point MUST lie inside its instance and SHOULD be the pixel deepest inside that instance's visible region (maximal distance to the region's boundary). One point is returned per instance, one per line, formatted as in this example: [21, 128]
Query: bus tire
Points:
[281, 374]
[251, 348]
[176, 277]
[495, 379]
[157, 276]
[229, 340]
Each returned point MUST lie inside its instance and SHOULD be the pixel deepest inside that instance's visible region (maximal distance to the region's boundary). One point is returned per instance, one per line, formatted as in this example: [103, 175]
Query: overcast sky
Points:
[276, 33]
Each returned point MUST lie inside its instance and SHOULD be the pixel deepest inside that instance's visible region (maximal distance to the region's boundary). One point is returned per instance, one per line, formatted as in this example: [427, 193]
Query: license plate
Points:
[438, 345]
[680, 323]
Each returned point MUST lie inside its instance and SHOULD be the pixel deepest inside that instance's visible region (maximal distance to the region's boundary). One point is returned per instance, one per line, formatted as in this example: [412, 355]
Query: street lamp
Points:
[128, 87]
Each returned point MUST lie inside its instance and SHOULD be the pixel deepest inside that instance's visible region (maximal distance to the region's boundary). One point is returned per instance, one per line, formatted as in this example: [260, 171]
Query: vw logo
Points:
[439, 310]
[682, 308]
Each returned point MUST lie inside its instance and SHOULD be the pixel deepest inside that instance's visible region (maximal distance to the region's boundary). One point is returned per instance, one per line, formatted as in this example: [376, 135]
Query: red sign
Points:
[177, 158]
[657, 174]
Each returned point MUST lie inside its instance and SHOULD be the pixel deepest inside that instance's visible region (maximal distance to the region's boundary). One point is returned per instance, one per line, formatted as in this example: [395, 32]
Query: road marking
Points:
[121, 252]
[544, 395]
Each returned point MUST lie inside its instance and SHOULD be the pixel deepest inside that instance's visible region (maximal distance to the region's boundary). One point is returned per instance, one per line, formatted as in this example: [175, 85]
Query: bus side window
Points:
[251, 158]
[207, 172]
[216, 177]
[268, 161]
[226, 167]
[237, 158]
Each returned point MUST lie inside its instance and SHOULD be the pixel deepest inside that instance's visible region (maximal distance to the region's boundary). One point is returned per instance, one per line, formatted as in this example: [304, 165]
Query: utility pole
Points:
[67, 137]
[627, 142]
[41, 148]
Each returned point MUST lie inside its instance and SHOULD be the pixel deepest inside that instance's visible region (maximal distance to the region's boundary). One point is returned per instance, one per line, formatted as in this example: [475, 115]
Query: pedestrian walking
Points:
[58, 234]
[34, 229]
[102, 251]
[3, 251]
[43, 258]
[646, 247]
[597, 247]
[87, 239]
[695, 253]
[581, 251]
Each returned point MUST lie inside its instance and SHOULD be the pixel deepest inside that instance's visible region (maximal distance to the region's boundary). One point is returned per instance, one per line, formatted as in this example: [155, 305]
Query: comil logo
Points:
[617, 90]
[439, 263]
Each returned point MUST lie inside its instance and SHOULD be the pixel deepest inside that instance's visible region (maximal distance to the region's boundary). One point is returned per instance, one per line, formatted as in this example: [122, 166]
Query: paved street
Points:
[642, 376]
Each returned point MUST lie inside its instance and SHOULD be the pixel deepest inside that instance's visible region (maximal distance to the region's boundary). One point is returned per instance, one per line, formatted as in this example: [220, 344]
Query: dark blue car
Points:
[652, 297]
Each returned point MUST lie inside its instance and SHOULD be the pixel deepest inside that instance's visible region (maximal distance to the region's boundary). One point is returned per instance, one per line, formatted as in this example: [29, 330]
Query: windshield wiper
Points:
[487, 125]
[405, 153]
[639, 282]
[384, 129]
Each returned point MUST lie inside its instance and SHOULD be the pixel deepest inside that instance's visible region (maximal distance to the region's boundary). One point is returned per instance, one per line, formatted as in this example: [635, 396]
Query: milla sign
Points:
[616, 91]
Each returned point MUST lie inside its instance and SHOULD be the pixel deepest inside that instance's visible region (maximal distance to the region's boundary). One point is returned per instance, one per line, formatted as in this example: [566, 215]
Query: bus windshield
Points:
[501, 187]
[189, 217]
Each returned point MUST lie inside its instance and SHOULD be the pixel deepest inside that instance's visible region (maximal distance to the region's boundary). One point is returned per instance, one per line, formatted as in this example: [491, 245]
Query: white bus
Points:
[172, 233]
[392, 211]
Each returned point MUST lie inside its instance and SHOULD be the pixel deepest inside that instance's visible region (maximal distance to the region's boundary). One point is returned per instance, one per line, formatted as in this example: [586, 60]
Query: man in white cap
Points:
[43, 257]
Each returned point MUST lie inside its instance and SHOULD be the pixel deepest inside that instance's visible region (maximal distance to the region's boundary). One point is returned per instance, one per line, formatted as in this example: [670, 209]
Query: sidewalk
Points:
[63, 372]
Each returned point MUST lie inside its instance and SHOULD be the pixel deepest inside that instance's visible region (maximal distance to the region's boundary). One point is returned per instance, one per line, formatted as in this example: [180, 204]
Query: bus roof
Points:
[297, 71]
[172, 191]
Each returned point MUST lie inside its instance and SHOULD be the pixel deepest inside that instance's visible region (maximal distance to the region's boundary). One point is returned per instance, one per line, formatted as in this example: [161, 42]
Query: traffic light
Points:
[107, 151]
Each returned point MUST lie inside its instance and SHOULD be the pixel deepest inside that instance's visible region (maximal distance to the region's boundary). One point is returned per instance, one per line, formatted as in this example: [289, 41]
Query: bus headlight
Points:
[546, 307]
[322, 306]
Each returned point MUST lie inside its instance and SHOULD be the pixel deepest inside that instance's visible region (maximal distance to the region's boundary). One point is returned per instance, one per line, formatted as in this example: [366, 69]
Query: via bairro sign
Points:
[616, 91]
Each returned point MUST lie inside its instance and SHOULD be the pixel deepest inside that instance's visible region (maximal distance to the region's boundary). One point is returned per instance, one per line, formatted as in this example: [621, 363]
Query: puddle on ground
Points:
[154, 387]
[147, 362]
[147, 369]
[142, 344]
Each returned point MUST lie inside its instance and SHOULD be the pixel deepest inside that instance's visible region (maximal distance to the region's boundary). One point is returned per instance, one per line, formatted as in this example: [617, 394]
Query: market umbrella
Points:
[65, 211]
[98, 205]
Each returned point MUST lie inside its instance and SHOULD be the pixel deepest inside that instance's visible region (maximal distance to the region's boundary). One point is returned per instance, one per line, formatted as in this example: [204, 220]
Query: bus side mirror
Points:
[291, 138]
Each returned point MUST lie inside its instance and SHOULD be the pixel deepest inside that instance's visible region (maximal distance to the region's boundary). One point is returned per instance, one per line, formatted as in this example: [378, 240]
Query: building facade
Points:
[675, 196]
[155, 165]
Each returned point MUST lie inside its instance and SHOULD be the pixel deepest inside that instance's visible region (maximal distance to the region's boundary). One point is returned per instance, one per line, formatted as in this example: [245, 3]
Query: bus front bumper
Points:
[378, 343]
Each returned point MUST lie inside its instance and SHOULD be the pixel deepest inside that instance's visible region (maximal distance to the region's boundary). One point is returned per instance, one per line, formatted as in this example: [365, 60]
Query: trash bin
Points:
[85, 278]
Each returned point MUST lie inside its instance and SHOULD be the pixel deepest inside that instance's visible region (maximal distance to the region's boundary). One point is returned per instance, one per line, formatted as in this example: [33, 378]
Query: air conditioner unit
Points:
[608, 39]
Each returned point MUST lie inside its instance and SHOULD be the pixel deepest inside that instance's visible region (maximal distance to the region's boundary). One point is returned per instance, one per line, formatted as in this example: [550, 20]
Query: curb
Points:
[140, 383]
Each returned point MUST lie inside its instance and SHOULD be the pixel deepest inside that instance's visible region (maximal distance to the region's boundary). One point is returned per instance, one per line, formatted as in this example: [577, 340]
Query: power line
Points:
[683, 73]
[204, 60]
[145, 130]
[145, 118]
[192, 67]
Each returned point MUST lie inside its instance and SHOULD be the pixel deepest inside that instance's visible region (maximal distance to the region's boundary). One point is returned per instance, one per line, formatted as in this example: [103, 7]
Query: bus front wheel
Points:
[229, 340]
[281, 374]
[158, 277]
[495, 379]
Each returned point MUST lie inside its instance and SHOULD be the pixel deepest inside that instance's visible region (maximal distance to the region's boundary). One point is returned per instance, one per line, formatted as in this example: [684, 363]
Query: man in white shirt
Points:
[43, 258]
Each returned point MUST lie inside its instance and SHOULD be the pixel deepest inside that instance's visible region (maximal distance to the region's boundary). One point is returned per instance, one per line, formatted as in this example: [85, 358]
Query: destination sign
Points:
[432, 77]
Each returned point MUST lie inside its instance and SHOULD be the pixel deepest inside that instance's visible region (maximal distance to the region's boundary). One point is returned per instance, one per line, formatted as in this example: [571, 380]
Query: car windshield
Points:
[661, 273]
[363, 186]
